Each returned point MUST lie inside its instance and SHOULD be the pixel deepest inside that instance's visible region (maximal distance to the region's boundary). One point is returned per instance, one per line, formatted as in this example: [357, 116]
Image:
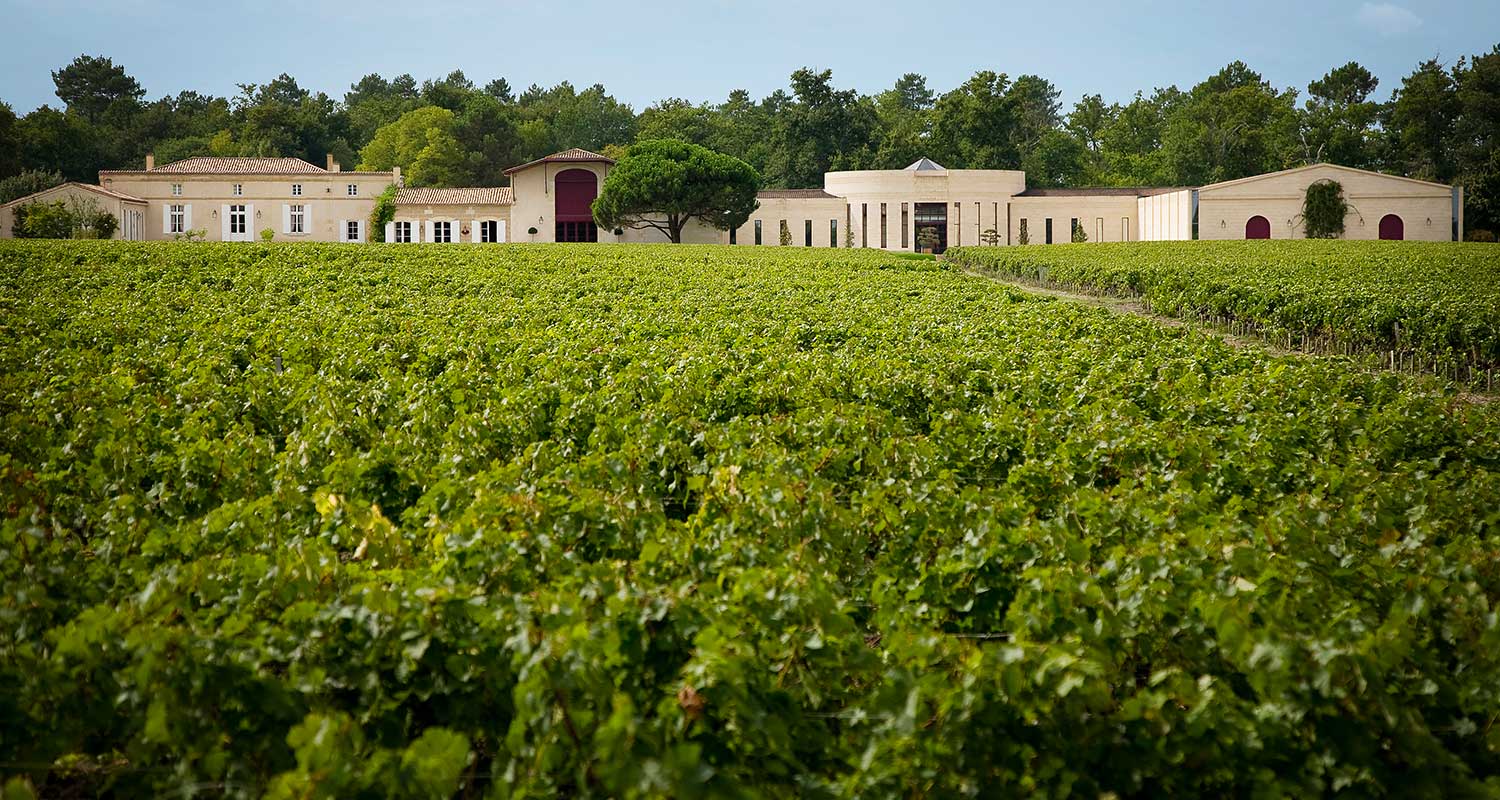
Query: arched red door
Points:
[576, 190]
[1258, 228]
[1392, 228]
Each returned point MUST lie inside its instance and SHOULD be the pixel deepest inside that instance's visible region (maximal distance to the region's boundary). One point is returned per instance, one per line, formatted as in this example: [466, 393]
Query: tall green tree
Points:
[1340, 122]
[664, 184]
[822, 129]
[681, 120]
[10, 142]
[1087, 123]
[1421, 123]
[486, 131]
[1233, 125]
[904, 115]
[1131, 144]
[976, 126]
[54, 140]
[91, 84]
[423, 143]
[1477, 138]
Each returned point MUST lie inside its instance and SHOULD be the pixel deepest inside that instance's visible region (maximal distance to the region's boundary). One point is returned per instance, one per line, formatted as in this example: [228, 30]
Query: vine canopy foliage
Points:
[1324, 209]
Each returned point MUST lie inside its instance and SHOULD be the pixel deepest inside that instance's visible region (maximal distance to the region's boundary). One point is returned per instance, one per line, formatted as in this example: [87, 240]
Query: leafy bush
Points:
[1025, 235]
[784, 237]
[1079, 237]
[73, 218]
[267, 235]
[42, 220]
[296, 522]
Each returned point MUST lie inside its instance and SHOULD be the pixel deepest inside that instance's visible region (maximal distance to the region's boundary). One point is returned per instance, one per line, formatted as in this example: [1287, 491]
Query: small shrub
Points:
[990, 237]
[194, 235]
[1480, 236]
[927, 240]
[1079, 237]
[785, 237]
[1025, 237]
[267, 235]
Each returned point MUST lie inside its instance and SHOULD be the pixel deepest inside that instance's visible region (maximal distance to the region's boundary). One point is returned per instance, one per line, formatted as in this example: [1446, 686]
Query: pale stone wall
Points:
[1103, 218]
[325, 197]
[798, 212]
[975, 200]
[464, 217]
[1166, 217]
[128, 215]
[536, 200]
[1426, 209]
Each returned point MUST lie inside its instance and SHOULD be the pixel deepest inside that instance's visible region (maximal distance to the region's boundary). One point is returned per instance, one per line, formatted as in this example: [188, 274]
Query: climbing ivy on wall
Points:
[1324, 209]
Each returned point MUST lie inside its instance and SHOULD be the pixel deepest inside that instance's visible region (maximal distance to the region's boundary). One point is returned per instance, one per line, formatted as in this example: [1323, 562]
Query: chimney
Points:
[396, 176]
[150, 161]
[332, 167]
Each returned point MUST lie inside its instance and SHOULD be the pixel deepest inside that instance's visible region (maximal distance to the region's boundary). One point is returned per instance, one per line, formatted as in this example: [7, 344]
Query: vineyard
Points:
[1408, 306]
[625, 521]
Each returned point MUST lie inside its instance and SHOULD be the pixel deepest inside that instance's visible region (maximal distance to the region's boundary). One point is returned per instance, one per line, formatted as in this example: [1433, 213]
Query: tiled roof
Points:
[75, 185]
[475, 196]
[207, 165]
[773, 194]
[1103, 191]
[573, 154]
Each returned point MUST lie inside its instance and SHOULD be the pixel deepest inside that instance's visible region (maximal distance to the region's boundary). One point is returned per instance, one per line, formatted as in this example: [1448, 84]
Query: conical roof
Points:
[927, 165]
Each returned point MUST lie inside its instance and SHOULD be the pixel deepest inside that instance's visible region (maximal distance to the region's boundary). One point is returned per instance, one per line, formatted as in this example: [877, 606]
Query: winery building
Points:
[924, 207]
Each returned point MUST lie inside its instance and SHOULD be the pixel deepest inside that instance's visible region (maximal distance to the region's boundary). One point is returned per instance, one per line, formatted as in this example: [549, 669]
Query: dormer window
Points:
[176, 190]
[296, 190]
[239, 189]
[354, 190]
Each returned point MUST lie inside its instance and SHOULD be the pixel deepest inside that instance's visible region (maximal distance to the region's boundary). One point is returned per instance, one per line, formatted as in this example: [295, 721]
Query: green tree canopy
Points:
[1421, 123]
[664, 184]
[1477, 133]
[975, 125]
[1232, 125]
[1338, 124]
[424, 144]
[91, 84]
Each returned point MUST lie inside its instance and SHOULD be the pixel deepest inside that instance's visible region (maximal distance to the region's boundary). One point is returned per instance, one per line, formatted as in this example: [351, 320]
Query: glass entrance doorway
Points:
[932, 227]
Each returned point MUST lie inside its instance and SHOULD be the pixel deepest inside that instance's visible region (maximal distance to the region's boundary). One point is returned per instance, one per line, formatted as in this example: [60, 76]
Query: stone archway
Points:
[1258, 227]
[1392, 228]
[573, 207]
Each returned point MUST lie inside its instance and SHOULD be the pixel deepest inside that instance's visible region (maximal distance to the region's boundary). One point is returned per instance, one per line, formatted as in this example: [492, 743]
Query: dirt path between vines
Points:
[1134, 307]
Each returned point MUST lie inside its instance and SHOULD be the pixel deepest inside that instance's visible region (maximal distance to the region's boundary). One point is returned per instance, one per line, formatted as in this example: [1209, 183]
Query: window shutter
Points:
[431, 231]
[500, 230]
[187, 217]
[224, 224]
[360, 232]
[286, 218]
[390, 231]
[343, 230]
[251, 234]
[307, 220]
[166, 219]
[474, 227]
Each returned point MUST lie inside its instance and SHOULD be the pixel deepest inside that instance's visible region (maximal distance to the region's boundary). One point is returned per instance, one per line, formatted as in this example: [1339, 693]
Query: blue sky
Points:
[702, 50]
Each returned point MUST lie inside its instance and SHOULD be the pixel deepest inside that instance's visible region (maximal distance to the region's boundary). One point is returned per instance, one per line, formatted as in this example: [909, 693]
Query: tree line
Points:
[1441, 123]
